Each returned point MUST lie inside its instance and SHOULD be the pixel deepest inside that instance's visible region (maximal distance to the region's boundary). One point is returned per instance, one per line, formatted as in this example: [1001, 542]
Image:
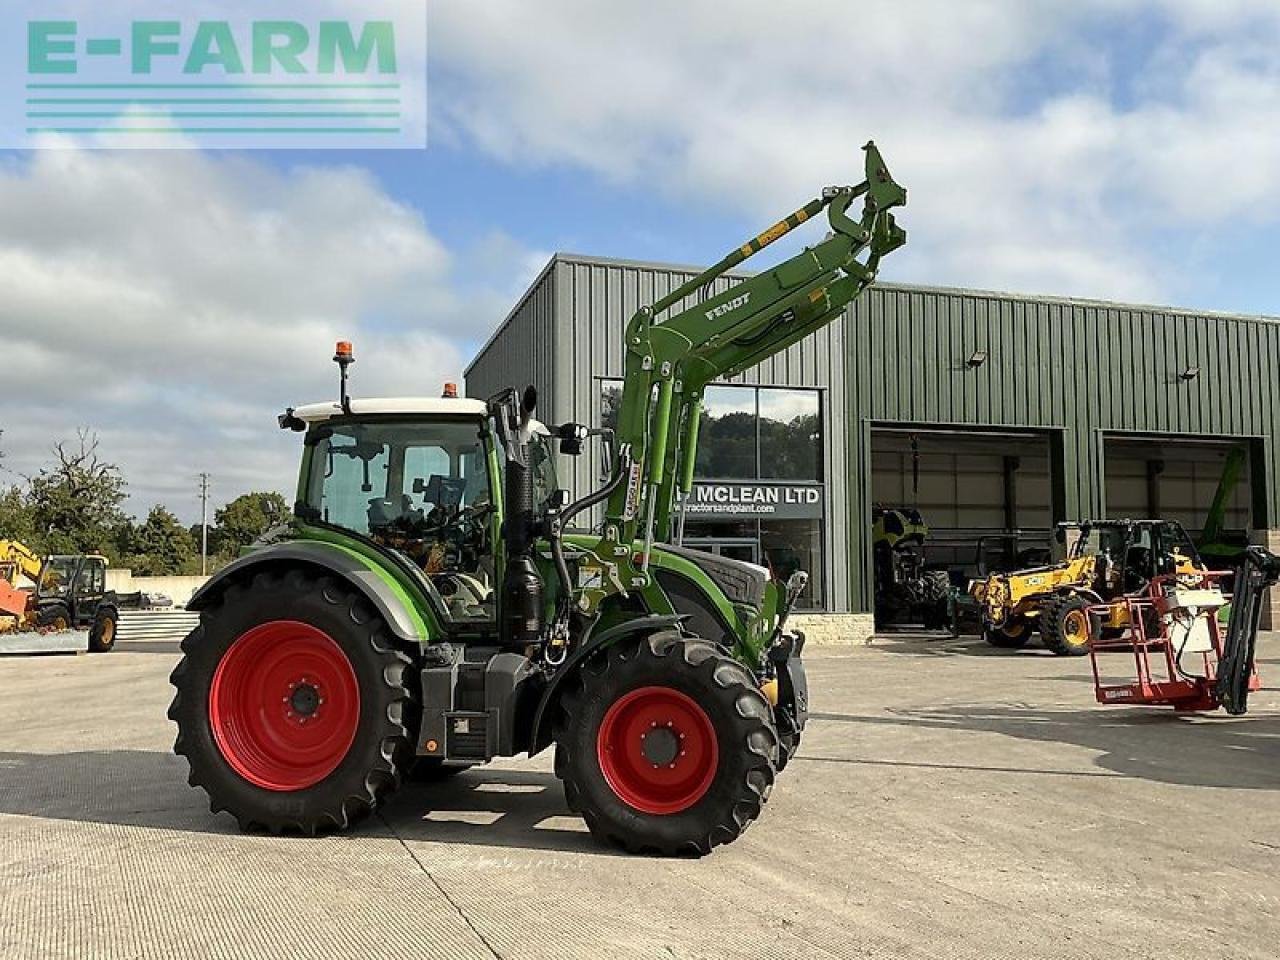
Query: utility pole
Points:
[204, 524]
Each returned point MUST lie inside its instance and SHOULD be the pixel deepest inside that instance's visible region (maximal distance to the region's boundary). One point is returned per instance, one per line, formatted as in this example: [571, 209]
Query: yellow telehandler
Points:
[1106, 561]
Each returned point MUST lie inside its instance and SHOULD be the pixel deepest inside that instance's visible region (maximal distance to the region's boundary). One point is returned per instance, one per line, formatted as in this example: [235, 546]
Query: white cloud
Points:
[751, 106]
[175, 302]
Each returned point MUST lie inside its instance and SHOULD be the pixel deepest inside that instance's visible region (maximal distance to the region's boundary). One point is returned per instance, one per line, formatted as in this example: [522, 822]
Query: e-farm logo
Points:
[285, 79]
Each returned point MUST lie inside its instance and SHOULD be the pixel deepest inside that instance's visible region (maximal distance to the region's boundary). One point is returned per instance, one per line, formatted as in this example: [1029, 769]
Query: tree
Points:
[160, 546]
[75, 504]
[247, 517]
[17, 521]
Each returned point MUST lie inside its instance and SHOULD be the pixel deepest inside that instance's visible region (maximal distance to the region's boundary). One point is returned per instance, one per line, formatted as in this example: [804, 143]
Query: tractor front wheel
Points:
[666, 746]
[1065, 626]
[292, 706]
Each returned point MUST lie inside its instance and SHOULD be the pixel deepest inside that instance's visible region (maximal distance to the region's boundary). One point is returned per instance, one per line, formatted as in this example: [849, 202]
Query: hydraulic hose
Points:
[571, 511]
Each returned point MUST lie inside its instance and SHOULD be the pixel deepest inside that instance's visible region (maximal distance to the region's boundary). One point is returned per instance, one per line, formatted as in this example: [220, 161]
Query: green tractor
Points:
[429, 608]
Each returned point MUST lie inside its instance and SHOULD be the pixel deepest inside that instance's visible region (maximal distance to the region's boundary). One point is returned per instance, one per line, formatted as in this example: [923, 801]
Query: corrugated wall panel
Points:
[523, 350]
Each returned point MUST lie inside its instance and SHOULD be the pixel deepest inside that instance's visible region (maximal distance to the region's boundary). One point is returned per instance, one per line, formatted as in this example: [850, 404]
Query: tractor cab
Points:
[421, 477]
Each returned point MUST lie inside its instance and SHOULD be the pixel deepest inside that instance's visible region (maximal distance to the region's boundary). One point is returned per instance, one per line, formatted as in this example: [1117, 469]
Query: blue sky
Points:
[1104, 149]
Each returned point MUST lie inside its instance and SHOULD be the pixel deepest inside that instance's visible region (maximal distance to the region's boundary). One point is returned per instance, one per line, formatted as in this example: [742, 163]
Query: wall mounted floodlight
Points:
[978, 358]
[1190, 373]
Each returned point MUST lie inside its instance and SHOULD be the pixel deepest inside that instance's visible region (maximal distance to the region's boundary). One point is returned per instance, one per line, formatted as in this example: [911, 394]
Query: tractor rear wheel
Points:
[102, 635]
[1065, 626]
[292, 706]
[935, 586]
[1013, 634]
[666, 746]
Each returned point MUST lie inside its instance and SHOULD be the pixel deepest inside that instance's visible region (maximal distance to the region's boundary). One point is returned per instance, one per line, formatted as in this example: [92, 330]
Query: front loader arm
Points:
[670, 361]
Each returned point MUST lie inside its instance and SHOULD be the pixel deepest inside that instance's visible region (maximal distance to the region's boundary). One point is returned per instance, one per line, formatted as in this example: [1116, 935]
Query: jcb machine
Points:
[427, 604]
[70, 592]
[1107, 560]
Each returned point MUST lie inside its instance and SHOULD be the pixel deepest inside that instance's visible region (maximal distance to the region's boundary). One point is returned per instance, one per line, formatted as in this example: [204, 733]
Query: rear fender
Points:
[542, 718]
[387, 597]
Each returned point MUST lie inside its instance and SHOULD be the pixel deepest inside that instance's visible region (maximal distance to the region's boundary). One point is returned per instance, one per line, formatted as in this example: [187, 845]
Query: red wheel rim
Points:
[284, 705]
[657, 750]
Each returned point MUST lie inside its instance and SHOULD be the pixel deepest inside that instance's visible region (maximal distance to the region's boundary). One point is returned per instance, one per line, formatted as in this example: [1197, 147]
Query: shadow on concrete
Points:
[1150, 744]
[139, 788]
[933, 645]
[488, 807]
[128, 787]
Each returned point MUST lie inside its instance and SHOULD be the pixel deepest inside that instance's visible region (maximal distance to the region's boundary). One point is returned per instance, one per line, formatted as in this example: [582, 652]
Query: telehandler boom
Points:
[426, 611]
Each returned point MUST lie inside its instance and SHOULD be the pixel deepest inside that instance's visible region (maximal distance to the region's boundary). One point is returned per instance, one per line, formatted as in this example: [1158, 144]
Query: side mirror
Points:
[559, 499]
[419, 485]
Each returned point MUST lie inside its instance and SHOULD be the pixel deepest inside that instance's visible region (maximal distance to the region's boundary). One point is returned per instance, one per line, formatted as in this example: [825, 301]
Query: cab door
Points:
[89, 589]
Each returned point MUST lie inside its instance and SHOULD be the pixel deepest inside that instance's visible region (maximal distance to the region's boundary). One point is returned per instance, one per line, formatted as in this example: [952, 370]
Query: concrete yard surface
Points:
[949, 800]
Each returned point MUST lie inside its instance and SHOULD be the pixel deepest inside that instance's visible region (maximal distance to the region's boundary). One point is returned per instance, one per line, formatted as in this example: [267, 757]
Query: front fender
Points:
[541, 734]
[387, 597]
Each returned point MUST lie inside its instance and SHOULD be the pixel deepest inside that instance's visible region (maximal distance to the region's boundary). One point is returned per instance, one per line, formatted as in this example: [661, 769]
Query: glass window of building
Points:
[728, 437]
[791, 545]
[790, 434]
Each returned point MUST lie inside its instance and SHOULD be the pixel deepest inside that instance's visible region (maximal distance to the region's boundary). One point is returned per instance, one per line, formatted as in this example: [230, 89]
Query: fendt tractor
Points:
[428, 606]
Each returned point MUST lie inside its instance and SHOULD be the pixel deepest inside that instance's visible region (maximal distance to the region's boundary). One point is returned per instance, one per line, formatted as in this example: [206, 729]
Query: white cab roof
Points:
[437, 406]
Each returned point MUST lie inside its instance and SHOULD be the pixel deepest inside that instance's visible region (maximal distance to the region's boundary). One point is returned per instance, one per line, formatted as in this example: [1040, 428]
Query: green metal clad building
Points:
[996, 415]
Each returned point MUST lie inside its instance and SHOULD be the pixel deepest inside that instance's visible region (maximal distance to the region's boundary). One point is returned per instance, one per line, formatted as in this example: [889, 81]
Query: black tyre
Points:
[666, 746]
[1013, 634]
[102, 635]
[293, 708]
[788, 744]
[935, 591]
[1066, 627]
[54, 619]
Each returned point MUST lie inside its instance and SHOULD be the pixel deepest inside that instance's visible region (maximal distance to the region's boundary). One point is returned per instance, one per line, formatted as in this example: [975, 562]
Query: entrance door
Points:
[734, 549]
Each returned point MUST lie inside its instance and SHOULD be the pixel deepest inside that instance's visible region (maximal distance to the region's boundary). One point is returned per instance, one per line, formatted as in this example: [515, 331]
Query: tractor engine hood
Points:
[742, 582]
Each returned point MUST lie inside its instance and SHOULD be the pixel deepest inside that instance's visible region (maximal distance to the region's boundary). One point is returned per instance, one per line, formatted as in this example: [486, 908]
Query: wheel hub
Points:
[305, 700]
[661, 745]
